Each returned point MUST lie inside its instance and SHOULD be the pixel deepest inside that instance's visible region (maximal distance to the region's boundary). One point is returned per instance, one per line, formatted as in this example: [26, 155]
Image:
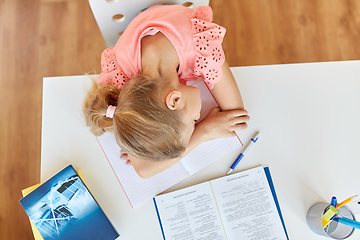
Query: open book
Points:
[139, 190]
[239, 206]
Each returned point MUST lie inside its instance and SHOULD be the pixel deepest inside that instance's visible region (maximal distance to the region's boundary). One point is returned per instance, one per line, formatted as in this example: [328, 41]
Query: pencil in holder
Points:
[334, 229]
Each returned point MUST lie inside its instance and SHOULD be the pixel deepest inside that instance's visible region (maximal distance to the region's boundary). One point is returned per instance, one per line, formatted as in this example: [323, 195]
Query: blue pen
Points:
[237, 160]
[334, 201]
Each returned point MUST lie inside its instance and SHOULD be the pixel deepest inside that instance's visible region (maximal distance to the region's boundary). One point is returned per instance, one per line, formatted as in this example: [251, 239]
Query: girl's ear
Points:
[174, 100]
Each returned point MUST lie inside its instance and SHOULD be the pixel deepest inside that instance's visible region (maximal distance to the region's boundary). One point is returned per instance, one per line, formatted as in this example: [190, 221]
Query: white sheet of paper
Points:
[354, 205]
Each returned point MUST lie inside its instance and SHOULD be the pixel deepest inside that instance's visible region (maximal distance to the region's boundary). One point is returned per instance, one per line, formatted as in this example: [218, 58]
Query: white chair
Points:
[113, 16]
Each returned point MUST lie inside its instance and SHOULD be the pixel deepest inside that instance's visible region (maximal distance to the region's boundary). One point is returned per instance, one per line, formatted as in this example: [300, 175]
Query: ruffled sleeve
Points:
[111, 72]
[207, 39]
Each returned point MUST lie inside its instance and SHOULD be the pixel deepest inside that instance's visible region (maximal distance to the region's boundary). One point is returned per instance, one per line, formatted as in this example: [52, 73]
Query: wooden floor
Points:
[40, 38]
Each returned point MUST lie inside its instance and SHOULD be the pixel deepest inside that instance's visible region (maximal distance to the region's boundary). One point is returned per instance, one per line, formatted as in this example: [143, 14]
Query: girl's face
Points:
[190, 112]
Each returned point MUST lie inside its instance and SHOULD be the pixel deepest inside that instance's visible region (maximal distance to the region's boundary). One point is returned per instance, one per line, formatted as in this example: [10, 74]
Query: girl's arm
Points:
[226, 91]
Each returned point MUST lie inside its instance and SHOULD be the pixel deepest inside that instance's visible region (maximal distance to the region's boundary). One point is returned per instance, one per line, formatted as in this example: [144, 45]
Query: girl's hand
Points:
[221, 124]
[124, 156]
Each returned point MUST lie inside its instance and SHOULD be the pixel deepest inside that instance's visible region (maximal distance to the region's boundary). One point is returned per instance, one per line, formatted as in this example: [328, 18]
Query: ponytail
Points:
[95, 106]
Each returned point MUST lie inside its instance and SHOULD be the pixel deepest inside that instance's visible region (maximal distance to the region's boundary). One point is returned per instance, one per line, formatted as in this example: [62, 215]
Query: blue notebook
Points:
[63, 208]
[242, 205]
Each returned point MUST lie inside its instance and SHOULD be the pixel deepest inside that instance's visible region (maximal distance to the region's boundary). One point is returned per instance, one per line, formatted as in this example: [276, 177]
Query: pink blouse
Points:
[195, 38]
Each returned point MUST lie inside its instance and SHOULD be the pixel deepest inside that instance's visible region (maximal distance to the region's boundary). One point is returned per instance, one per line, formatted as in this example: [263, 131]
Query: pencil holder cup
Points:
[334, 229]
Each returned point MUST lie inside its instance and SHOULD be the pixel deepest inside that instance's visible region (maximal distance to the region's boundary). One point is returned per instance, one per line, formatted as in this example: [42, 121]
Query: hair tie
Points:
[110, 111]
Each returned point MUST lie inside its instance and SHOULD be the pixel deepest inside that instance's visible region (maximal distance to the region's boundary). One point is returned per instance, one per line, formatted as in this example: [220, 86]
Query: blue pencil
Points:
[349, 222]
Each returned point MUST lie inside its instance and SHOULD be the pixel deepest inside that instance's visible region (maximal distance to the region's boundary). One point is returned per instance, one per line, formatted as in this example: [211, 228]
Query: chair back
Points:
[113, 16]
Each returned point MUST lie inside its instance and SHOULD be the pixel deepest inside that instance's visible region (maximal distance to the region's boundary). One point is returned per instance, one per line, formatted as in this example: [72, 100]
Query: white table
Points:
[308, 116]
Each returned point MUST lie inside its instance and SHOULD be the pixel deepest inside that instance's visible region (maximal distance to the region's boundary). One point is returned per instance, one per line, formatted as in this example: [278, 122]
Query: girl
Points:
[142, 95]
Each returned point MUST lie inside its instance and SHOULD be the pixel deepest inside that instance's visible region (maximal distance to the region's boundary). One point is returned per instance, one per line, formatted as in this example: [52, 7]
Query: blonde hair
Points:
[142, 124]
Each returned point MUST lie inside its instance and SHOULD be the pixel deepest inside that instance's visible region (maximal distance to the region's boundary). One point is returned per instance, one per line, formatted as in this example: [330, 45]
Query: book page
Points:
[209, 152]
[190, 213]
[247, 207]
